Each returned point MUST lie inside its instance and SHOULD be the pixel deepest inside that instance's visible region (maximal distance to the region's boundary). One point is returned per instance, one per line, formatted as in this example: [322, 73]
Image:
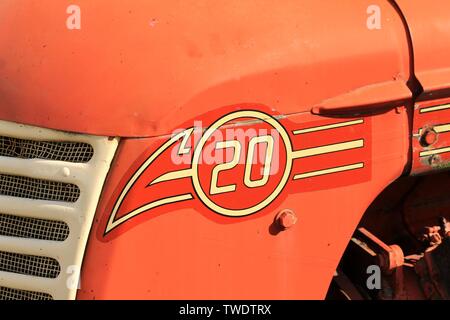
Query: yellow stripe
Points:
[329, 126]
[437, 108]
[328, 149]
[435, 151]
[438, 129]
[149, 206]
[328, 171]
[442, 129]
[173, 175]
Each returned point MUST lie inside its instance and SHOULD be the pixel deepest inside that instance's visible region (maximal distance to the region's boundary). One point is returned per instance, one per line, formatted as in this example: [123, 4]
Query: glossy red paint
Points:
[429, 24]
[140, 68]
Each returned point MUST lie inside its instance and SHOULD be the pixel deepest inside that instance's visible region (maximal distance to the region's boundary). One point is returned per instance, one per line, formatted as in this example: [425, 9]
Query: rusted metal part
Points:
[390, 257]
[395, 284]
[431, 136]
[393, 258]
[433, 236]
[412, 209]
[411, 260]
[445, 226]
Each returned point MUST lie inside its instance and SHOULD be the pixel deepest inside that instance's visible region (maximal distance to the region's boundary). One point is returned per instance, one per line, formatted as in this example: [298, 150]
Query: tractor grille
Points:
[48, 150]
[50, 183]
[15, 294]
[23, 227]
[24, 187]
[29, 265]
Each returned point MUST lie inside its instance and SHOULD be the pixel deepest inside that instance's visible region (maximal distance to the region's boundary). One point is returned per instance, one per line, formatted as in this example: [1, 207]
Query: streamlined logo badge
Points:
[238, 165]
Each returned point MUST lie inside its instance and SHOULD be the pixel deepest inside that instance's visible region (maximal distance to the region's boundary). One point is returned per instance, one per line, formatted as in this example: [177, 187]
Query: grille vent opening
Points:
[39, 189]
[17, 294]
[33, 228]
[29, 265]
[48, 150]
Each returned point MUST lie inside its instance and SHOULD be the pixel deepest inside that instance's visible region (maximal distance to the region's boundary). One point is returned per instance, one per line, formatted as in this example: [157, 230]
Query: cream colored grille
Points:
[17, 294]
[48, 150]
[30, 265]
[24, 187]
[25, 227]
[50, 184]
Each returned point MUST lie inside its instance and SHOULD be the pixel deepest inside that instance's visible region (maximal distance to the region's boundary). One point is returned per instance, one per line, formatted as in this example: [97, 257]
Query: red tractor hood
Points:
[140, 68]
[429, 23]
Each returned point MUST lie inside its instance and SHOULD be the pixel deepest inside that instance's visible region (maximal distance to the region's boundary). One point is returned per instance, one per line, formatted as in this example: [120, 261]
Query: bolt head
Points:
[286, 219]
[428, 138]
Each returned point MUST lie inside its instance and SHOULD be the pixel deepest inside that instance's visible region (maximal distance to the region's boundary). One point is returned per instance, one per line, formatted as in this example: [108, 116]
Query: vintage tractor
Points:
[235, 149]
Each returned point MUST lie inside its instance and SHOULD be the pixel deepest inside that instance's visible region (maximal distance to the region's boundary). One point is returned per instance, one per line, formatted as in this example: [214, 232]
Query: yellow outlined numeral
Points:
[215, 189]
[267, 161]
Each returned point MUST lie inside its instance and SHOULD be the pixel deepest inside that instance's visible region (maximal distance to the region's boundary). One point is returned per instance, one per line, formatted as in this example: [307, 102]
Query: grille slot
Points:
[39, 189]
[29, 265]
[24, 227]
[48, 150]
[17, 294]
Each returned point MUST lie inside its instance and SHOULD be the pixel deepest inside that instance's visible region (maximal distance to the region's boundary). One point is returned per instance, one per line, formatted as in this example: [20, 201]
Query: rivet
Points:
[66, 172]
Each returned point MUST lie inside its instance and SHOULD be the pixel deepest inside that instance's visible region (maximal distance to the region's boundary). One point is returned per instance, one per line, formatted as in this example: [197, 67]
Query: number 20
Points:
[215, 189]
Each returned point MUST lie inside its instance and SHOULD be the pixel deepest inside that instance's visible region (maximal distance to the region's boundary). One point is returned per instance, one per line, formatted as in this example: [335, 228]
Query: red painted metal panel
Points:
[186, 250]
[429, 23]
[140, 68]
